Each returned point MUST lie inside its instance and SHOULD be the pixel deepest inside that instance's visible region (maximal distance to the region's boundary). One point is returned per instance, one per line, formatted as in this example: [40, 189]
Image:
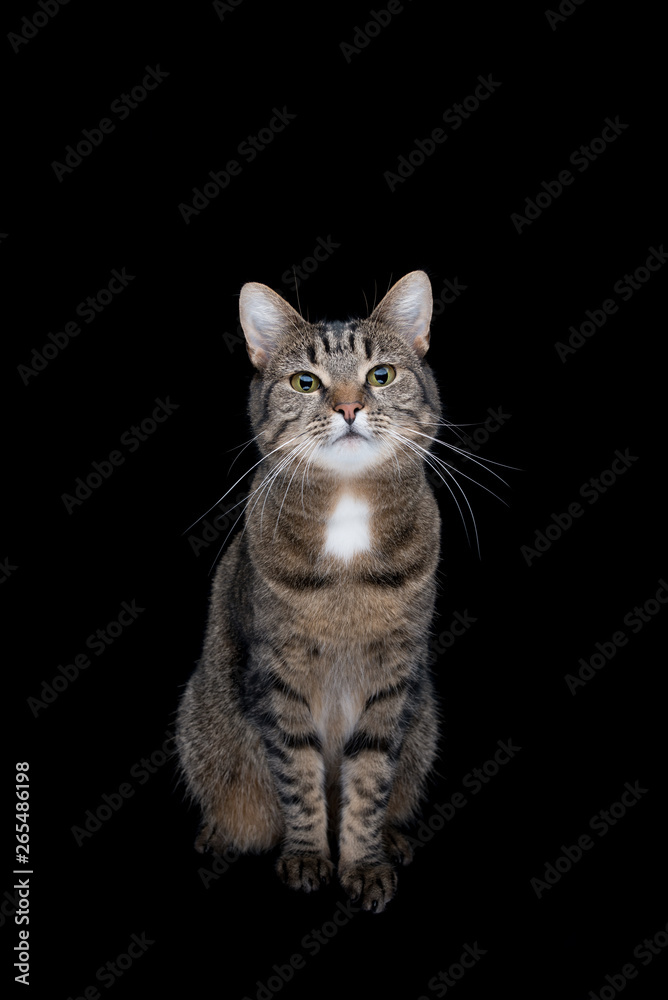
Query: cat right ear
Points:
[265, 317]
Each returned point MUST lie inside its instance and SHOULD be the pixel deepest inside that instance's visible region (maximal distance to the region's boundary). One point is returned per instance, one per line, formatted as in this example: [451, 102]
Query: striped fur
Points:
[310, 722]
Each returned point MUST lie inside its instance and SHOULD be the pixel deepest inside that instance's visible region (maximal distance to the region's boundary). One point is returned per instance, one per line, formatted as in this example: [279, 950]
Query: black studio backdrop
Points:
[155, 160]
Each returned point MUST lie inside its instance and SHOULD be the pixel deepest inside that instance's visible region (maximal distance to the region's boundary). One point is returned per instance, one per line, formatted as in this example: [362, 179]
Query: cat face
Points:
[342, 396]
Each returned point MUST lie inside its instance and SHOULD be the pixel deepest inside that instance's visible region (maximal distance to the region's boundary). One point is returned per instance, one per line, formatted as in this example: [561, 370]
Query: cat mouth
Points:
[350, 436]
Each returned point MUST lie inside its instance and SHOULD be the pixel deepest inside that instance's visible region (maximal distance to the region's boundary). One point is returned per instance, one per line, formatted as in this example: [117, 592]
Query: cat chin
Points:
[349, 457]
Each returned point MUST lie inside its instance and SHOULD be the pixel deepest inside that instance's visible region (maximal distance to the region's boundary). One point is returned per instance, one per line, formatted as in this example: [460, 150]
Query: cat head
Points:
[343, 393]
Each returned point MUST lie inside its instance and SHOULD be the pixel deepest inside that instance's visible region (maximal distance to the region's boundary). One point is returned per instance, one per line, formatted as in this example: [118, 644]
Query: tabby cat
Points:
[310, 721]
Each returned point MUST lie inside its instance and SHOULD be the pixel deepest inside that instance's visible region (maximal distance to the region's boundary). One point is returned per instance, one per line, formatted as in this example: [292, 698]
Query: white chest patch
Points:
[348, 528]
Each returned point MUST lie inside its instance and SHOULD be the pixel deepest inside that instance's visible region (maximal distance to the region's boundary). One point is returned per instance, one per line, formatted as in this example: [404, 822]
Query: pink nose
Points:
[348, 410]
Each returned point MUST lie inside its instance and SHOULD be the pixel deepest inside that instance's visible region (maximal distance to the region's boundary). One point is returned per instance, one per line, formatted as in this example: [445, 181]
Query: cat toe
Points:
[371, 886]
[304, 872]
[399, 847]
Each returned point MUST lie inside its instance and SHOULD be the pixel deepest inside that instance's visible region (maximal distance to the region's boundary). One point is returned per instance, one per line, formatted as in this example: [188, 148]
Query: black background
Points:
[173, 333]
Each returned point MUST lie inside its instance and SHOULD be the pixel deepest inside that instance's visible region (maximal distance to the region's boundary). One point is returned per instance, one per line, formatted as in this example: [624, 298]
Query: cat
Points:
[310, 722]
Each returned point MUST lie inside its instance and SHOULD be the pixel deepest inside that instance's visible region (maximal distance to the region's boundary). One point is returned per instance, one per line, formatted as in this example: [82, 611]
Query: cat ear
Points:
[264, 317]
[407, 309]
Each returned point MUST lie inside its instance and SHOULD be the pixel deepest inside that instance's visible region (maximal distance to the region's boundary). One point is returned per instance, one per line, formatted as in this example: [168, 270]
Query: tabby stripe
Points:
[423, 388]
[280, 685]
[397, 579]
[275, 437]
[265, 402]
[299, 742]
[360, 742]
[291, 800]
[300, 842]
[275, 751]
[368, 347]
[351, 340]
[389, 692]
[285, 779]
[310, 581]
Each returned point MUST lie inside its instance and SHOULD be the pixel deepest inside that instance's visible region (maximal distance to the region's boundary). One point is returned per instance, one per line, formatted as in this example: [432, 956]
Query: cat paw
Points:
[304, 871]
[398, 846]
[372, 886]
[207, 840]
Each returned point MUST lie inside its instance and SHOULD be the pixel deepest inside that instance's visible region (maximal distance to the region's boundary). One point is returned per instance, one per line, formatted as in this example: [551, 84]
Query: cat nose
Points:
[348, 410]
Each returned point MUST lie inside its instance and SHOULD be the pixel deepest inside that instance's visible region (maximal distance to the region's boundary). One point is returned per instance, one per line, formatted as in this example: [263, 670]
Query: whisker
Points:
[243, 448]
[306, 468]
[284, 466]
[287, 488]
[263, 459]
[247, 499]
[414, 445]
[460, 451]
[406, 452]
[452, 468]
[294, 274]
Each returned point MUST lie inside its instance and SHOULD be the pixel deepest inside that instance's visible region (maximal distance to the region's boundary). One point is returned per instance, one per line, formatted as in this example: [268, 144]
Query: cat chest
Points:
[348, 529]
[336, 710]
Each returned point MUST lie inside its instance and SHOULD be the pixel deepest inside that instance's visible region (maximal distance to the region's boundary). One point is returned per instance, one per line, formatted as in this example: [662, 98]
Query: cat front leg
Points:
[365, 869]
[298, 768]
[368, 770]
[295, 759]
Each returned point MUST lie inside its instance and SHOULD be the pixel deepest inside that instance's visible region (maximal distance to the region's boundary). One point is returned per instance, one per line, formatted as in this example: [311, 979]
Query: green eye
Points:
[381, 375]
[305, 382]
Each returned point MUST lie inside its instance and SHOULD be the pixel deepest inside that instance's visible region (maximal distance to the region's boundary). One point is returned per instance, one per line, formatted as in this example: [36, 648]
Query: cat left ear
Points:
[407, 309]
[265, 317]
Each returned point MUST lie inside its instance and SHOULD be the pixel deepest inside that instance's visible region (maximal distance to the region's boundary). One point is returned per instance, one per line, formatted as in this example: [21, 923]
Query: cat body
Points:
[310, 722]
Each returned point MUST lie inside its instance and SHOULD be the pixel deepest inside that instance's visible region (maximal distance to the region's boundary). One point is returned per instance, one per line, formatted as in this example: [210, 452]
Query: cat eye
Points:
[305, 382]
[381, 375]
